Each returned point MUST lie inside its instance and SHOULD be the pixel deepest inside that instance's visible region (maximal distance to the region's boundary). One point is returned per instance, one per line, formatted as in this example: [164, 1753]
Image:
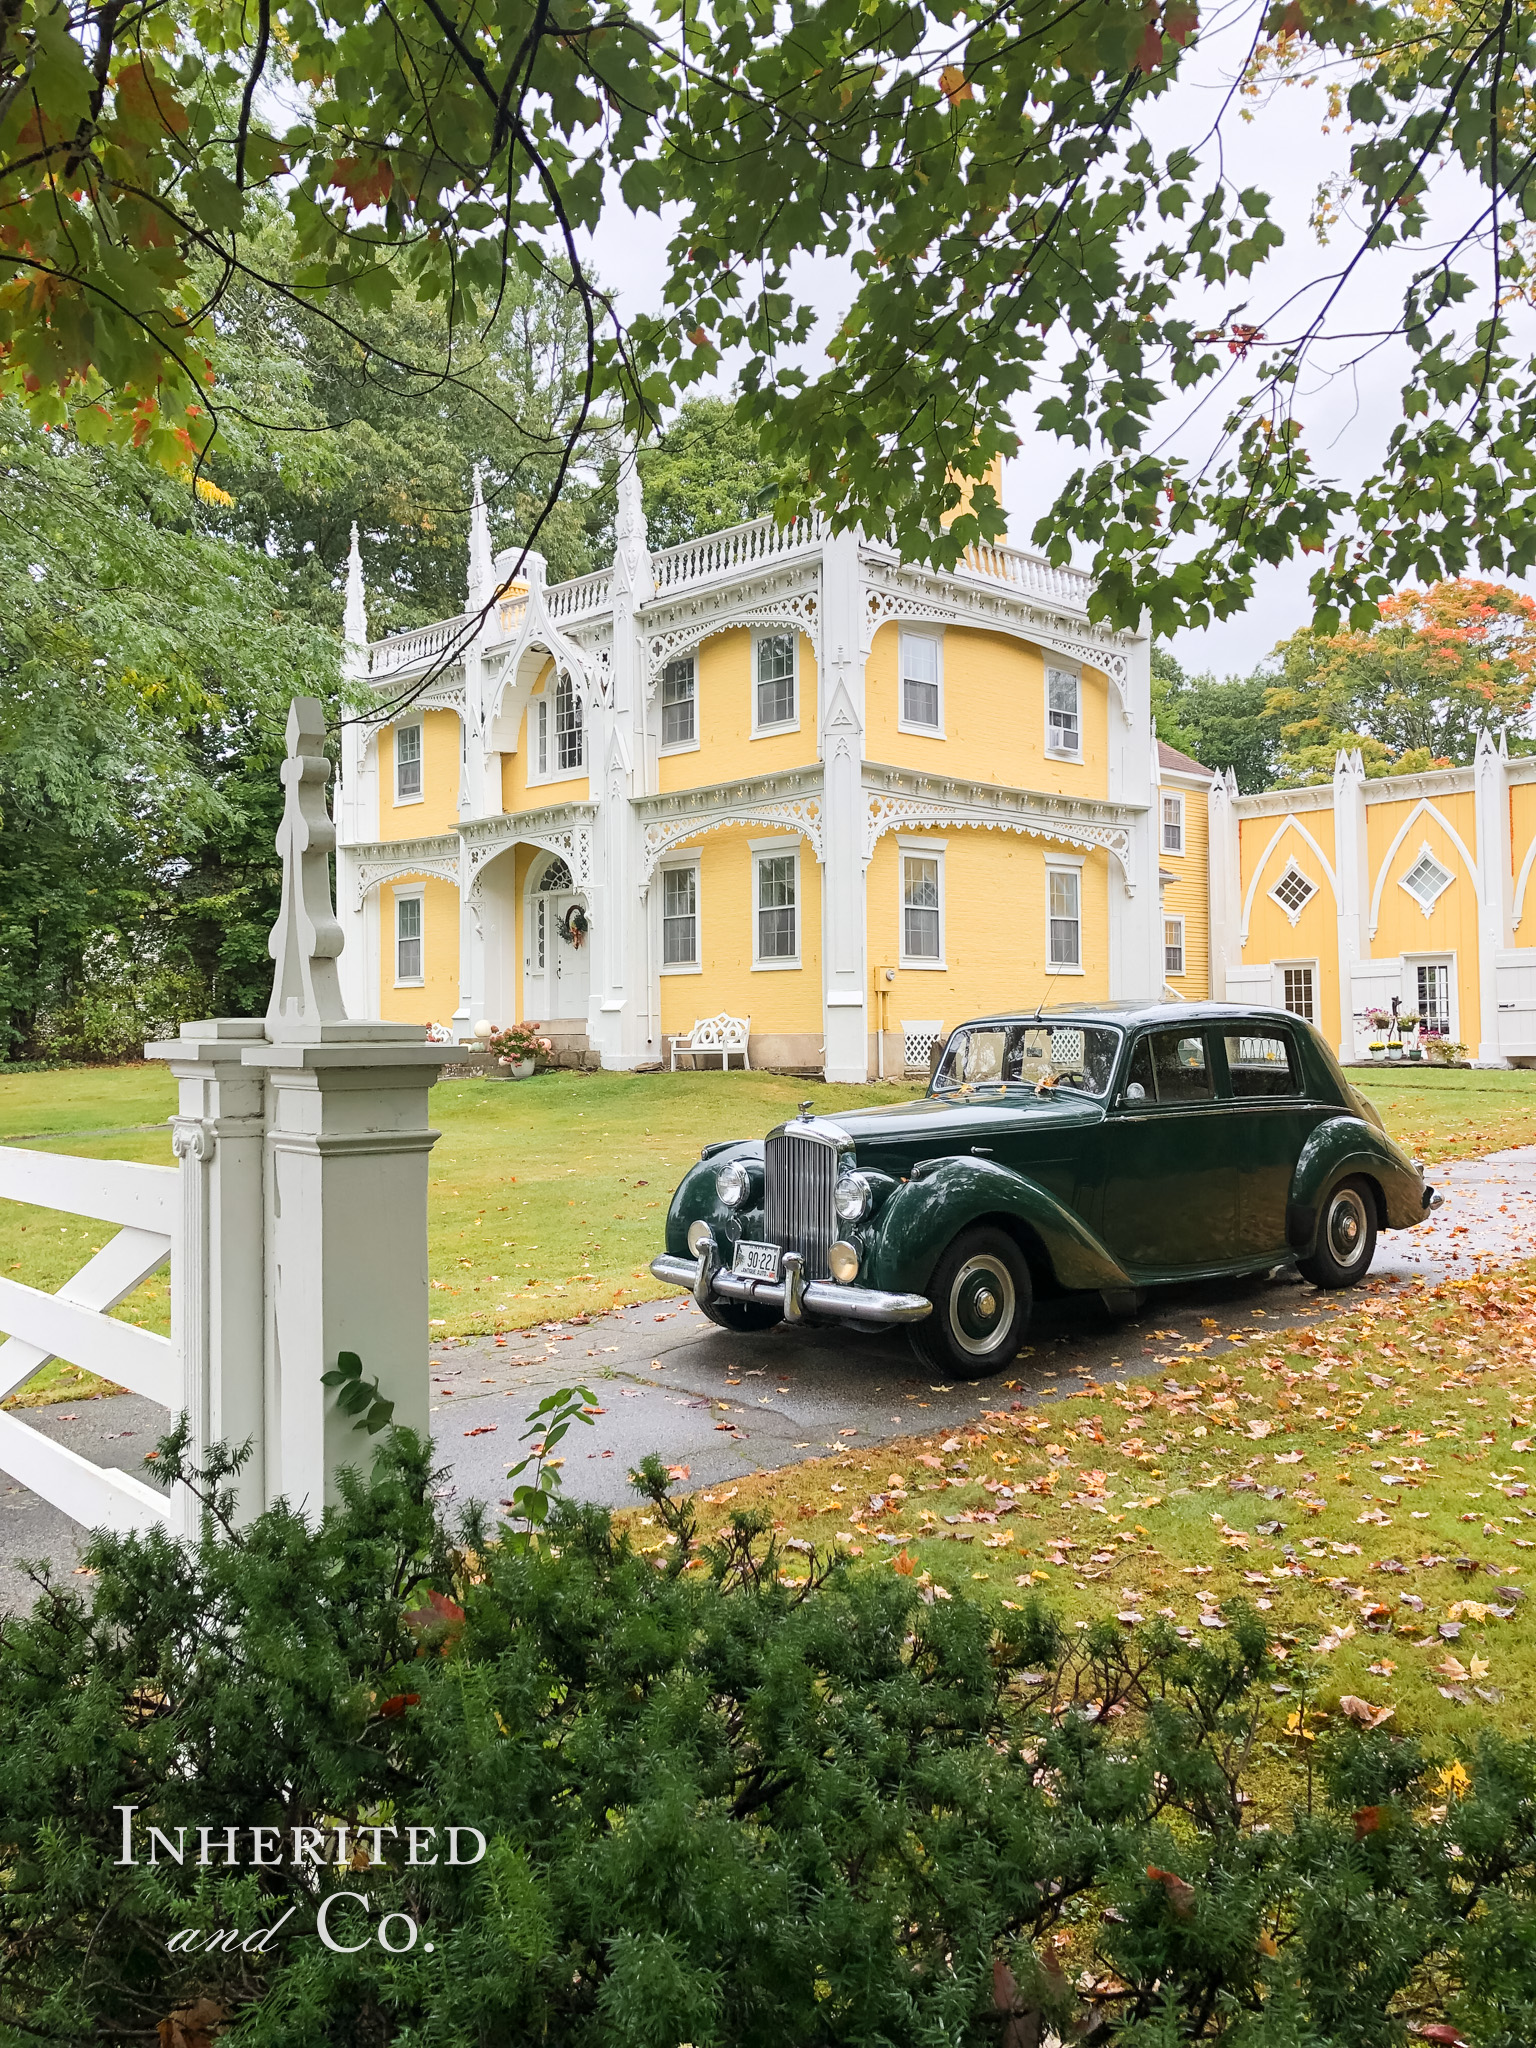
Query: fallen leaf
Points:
[1362, 1711]
[1181, 1894]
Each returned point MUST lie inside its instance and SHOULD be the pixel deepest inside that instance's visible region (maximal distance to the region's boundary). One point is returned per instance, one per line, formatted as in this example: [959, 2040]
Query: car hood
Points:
[942, 1124]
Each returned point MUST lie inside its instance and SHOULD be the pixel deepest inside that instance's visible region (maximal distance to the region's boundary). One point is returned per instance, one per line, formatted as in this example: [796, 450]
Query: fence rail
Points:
[76, 1324]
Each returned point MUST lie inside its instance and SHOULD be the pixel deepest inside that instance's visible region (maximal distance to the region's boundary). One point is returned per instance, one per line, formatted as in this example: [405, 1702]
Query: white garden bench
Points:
[723, 1035]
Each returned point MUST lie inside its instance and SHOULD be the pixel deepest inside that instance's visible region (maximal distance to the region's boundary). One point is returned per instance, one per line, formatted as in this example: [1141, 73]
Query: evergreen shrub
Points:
[731, 1797]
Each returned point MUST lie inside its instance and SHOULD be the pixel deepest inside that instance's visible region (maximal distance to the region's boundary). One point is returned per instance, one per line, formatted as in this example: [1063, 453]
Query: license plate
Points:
[757, 1260]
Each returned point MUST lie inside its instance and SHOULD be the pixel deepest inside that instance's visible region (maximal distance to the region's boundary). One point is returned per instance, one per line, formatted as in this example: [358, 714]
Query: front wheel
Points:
[982, 1299]
[742, 1318]
[1346, 1237]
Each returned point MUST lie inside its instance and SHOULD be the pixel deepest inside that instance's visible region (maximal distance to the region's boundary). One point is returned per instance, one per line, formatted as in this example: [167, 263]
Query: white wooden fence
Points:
[295, 1224]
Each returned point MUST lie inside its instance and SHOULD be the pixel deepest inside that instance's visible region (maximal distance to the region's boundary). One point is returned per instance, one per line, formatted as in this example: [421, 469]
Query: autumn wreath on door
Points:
[574, 926]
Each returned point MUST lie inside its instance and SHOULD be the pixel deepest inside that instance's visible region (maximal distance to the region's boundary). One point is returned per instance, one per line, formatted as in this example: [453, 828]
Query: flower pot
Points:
[1414, 1053]
[518, 1070]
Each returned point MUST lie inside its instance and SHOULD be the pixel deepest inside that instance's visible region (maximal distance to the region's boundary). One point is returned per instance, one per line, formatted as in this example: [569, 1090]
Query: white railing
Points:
[1030, 573]
[739, 547]
[405, 650]
[512, 613]
[74, 1324]
[581, 594]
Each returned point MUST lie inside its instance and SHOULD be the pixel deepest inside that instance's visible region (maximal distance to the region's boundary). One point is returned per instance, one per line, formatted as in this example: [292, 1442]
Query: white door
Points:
[555, 966]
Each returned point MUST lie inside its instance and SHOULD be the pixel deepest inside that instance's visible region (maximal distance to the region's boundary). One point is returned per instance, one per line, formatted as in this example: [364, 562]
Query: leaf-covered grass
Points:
[1452, 1112]
[1364, 1483]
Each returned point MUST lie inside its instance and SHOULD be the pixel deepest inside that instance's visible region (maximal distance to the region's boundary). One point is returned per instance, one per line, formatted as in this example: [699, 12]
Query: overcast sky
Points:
[1348, 414]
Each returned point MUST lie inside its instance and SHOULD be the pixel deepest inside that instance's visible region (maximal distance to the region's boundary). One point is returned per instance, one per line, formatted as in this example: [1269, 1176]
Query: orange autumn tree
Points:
[1441, 666]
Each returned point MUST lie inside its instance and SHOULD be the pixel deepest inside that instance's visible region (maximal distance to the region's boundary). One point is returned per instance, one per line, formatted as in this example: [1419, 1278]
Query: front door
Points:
[555, 954]
[1170, 1174]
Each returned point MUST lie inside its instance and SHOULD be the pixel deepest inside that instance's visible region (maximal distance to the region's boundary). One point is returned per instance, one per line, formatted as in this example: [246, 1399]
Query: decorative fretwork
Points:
[896, 590]
[568, 830]
[389, 860]
[895, 798]
[791, 600]
[791, 801]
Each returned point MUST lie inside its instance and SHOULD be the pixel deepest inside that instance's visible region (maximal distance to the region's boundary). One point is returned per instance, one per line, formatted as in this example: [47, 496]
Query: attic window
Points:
[1293, 892]
[1426, 881]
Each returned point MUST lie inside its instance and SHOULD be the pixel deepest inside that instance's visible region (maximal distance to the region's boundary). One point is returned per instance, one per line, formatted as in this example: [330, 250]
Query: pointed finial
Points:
[354, 629]
[629, 522]
[482, 570]
[306, 939]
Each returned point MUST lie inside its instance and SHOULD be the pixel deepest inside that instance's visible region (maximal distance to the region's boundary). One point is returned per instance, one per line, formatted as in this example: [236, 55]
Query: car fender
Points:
[923, 1215]
[1342, 1146]
[696, 1197]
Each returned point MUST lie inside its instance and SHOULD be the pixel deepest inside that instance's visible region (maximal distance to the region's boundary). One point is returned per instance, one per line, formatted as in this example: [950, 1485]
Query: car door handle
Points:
[981, 1151]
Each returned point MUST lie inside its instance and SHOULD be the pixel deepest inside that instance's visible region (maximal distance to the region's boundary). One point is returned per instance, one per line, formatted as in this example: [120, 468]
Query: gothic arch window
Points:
[556, 876]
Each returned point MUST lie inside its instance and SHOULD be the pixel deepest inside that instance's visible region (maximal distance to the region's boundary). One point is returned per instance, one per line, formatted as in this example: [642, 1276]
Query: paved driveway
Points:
[669, 1381]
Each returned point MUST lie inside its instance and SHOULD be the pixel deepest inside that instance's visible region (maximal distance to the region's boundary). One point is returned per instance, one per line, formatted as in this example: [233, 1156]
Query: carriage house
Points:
[776, 773]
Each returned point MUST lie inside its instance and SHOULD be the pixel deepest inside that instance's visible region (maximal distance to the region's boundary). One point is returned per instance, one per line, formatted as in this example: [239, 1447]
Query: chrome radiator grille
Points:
[799, 1185]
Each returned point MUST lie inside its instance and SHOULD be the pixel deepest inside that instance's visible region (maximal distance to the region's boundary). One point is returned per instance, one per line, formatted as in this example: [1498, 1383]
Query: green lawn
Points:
[591, 1158]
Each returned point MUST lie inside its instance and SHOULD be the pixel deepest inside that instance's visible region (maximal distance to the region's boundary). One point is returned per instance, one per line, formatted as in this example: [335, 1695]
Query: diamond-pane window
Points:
[1293, 892]
[1427, 880]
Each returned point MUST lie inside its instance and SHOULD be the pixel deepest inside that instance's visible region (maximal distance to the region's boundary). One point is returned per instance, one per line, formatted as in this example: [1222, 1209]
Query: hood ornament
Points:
[805, 1112]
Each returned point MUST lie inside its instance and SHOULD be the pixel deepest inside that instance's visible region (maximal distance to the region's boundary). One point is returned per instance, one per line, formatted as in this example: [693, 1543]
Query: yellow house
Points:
[1347, 899]
[777, 774]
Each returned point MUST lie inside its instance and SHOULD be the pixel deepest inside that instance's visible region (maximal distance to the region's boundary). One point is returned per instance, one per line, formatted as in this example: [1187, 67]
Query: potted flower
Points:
[518, 1047]
[1377, 1048]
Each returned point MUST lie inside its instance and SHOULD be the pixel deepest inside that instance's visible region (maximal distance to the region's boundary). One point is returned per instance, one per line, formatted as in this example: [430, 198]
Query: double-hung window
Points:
[921, 683]
[776, 881]
[408, 940]
[1064, 891]
[922, 909]
[1173, 947]
[773, 687]
[679, 704]
[1173, 823]
[1063, 713]
[1298, 992]
[407, 764]
[568, 733]
[680, 917]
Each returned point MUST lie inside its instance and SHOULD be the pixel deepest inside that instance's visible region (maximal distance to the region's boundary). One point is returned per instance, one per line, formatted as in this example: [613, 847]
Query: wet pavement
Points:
[667, 1381]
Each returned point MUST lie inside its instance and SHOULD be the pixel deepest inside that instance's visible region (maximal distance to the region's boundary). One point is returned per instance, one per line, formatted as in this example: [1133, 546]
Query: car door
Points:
[1273, 1115]
[1170, 1169]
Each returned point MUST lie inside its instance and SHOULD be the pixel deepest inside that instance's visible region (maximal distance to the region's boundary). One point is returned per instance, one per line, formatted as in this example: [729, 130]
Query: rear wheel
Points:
[982, 1299]
[743, 1318]
[1346, 1237]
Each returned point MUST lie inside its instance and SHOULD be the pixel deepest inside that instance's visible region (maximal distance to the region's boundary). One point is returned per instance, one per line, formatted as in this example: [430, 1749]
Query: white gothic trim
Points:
[895, 798]
[1285, 825]
[1423, 808]
[793, 801]
[789, 599]
[387, 860]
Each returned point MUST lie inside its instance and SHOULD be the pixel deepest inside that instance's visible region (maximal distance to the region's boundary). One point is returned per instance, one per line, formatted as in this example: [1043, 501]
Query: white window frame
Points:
[543, 741]
[776, 849]
[1312, 967]
[418, 896]
[420, 795]
[693, 865]
[933, 637]
[1174, 973]
[920, 849]
[1075, 676]
[1425, 852]
[1175, 797]
[667, 746]
[1292, 867]
[1412, 962]
[1063, 864]
[792, 635]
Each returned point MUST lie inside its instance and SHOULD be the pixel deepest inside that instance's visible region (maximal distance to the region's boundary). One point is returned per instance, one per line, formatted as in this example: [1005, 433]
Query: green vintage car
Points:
[1092, 1150]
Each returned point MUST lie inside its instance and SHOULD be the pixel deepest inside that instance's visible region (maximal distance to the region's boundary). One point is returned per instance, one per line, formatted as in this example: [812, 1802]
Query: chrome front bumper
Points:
[793, 1296]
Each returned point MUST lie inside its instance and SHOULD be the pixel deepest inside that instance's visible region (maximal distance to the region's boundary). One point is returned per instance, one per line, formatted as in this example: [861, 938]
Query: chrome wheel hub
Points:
[1346, 1226]
[982, 1301]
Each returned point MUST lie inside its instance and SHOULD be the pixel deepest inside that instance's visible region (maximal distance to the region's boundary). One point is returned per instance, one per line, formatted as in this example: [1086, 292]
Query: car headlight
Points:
[853, 1197]
[842, 1262]
[733, 1184]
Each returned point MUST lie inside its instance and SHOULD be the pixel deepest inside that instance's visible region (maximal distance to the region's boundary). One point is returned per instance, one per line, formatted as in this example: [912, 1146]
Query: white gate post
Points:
[303, 1143]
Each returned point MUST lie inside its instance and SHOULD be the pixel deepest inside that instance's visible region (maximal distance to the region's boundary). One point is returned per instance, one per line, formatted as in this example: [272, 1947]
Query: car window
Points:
[1263, 1063]
[1139, 1084]
[1039, 1054]
[1181, 1066]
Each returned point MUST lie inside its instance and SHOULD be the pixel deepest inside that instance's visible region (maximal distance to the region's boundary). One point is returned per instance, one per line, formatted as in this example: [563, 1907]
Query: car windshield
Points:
[1034, 1055]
